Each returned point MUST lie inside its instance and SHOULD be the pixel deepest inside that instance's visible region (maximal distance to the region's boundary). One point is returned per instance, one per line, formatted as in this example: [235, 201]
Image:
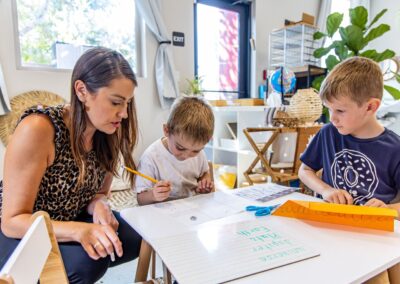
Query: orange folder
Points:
[351, 215]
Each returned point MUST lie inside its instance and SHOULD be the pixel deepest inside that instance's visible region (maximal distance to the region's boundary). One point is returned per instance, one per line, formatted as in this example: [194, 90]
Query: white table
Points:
[348, 255]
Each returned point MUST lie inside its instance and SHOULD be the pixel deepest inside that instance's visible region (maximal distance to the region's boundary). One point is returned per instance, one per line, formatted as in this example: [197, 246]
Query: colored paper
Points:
[351, 215]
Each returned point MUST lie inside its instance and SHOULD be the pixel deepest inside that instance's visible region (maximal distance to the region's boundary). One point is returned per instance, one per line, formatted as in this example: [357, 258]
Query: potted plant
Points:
[194, 86]
[354, 38]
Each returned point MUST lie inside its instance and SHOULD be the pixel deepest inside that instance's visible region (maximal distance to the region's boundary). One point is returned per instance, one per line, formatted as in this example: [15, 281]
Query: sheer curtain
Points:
[5, 106]
[324, 11]
[164, 70]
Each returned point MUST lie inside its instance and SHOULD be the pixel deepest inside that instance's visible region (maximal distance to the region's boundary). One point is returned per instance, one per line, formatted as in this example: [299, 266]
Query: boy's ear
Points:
[373, 104]
[80, 90]
[165, 129]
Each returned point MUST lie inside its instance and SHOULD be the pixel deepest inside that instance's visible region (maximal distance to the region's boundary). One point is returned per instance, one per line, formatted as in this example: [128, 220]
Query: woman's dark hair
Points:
[96, 68]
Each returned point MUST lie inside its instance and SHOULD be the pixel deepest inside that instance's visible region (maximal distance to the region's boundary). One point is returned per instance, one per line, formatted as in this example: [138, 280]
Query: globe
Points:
[287, 76]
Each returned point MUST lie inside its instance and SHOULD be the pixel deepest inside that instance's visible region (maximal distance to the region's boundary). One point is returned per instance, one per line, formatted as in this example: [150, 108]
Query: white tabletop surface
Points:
[348, 254]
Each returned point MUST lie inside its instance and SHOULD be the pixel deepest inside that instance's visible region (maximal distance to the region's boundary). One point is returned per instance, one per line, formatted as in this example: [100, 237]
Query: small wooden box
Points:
[218, 102]
[249, 102]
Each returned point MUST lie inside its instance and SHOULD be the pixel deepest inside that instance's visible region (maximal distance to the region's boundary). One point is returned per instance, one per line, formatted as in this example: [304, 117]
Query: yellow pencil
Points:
[140, 174]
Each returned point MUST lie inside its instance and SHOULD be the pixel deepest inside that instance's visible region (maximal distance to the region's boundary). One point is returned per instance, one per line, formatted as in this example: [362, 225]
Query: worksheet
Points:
[200, 208]
[264, 192]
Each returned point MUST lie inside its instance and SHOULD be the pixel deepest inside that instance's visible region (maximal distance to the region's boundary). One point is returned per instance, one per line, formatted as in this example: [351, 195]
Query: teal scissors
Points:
[262, 210]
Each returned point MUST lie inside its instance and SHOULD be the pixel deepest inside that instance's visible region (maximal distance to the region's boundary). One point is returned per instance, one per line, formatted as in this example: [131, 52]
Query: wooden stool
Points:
[278, 175]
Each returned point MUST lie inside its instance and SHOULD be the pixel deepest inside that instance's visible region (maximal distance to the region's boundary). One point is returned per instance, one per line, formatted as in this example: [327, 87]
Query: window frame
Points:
[244, 68]
[140, 37]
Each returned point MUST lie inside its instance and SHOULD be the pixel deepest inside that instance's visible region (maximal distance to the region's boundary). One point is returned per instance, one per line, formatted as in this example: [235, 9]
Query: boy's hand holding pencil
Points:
[161, 190]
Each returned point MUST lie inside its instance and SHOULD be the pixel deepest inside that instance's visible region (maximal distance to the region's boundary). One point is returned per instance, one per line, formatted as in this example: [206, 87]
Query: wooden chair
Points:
[278, 175]
[36, 256]
[148, 254]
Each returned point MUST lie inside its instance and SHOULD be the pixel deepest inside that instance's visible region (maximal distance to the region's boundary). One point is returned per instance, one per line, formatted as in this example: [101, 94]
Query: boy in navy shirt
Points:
[359, 157]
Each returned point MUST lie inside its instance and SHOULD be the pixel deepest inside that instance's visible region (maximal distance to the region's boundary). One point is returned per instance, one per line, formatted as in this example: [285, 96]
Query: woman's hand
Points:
[98, 240]
[103, 215]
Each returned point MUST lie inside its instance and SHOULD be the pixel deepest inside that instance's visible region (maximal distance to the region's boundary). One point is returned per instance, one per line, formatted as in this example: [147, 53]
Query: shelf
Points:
[240, 108]
[292, 46]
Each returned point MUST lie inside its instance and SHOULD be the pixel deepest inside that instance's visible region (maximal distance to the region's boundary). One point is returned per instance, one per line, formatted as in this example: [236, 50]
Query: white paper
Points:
[264, 192]
[216, 254]
[200, 209]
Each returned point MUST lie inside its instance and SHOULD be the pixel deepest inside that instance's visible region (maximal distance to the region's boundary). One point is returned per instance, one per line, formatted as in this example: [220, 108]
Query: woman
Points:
[62, 160]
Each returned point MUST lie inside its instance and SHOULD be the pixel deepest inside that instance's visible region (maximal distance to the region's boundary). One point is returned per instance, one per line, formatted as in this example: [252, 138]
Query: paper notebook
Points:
[352, 215]
[221, 253]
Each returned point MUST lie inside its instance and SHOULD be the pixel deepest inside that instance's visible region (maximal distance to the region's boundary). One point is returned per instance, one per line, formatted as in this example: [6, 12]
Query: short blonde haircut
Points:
[358, 78]
[191, 117]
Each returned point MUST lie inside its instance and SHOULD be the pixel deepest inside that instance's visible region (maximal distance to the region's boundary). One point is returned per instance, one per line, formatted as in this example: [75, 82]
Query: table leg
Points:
[143, 262]
[167, 275]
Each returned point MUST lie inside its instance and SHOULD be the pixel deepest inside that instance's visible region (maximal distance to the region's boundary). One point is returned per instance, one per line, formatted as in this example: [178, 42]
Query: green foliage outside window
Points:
[42, 24]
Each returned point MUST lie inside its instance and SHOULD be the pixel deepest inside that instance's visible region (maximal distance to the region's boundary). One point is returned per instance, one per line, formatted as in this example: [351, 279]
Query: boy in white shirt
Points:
[177, 160]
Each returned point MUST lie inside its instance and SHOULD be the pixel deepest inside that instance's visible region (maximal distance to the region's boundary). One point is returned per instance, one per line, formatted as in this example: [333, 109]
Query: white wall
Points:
[270, 15]
[178, 15]
[392, 17]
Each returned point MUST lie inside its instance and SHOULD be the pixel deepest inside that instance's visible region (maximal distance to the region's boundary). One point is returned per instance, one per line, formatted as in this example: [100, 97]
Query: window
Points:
[339, 6]
[53, 33]
[222, 29]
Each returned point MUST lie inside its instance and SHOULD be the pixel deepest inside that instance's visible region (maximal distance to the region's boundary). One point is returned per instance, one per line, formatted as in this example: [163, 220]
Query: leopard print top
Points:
[58, 192]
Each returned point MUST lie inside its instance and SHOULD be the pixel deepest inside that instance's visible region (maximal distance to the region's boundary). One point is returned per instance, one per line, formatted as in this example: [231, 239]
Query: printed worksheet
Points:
[204, 209]
[264, 192]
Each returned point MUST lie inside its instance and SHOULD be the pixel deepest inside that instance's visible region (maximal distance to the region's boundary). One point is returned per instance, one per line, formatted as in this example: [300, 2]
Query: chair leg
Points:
[394, 274]
[143, 262]
[153, 264]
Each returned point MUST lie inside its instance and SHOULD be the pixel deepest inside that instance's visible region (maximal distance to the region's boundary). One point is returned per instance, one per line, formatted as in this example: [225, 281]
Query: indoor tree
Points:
[353, 41]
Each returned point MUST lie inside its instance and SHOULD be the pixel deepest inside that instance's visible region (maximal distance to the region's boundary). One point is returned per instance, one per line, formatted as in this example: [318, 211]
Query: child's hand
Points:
[376, 203]
[338, 196]
[161, 190]
[205, 186]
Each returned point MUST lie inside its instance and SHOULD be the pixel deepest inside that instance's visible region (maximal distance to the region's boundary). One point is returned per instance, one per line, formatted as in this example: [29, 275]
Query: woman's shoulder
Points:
[54, 113]
[37, 126]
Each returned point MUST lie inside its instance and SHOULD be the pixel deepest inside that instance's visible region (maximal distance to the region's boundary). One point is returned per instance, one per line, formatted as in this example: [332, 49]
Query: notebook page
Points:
[244, 248]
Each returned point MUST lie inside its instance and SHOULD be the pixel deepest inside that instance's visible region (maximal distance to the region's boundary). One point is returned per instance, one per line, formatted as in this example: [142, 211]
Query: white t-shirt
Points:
[160, 164]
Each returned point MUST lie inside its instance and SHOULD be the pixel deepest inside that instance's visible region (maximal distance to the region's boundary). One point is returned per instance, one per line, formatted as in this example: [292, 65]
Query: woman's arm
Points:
[103, 193]
[30, 151]
[99, 206]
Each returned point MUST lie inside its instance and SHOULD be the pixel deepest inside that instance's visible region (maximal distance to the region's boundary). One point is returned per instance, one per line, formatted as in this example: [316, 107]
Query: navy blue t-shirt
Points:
[366, 168]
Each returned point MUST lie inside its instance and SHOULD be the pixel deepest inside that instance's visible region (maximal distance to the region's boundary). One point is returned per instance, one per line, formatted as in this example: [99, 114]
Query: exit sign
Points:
[178, 39]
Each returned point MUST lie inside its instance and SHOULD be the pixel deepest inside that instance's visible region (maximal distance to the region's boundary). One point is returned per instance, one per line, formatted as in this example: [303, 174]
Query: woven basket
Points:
[305, 105]
[282, 118]
[20, 103]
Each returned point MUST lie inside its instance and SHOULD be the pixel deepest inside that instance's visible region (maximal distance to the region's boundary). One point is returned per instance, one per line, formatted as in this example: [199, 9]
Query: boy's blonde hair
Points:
[193, 118]
[358, 78]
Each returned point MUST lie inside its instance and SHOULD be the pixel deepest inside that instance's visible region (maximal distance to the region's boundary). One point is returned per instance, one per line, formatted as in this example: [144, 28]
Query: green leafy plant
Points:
[354, 38]
[194, 86]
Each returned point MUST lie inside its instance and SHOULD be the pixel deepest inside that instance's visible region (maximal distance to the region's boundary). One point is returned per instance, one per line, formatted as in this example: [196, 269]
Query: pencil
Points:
[140, 174]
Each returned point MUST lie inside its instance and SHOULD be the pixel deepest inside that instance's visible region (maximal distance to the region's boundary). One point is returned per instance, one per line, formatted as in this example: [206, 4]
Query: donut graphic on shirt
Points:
[354, 172]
